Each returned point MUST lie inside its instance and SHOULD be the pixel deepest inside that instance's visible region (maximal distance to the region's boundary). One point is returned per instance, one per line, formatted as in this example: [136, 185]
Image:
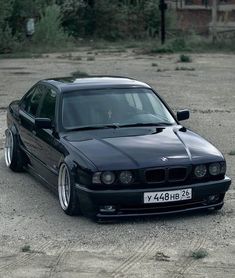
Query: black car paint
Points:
[143, 147]
[86, 152]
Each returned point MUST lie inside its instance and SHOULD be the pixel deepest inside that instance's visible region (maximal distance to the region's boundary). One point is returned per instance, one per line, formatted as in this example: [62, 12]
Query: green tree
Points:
[23, 9]
[6, 38]
[49, 30]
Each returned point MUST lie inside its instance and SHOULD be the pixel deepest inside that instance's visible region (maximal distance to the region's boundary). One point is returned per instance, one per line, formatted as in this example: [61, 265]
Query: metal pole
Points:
[214, 20]
[162, 7]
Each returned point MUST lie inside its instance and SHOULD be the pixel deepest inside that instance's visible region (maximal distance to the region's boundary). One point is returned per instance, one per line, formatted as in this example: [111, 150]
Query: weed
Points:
[185, 58]
[77, 58]
[185, 68]
[232, 152]
[199, 254]
[26, 248]
[160, 256]
[20, 55]
[79, 73]
[90, 58]
[162, 49]
[154, 64]
[162, 70]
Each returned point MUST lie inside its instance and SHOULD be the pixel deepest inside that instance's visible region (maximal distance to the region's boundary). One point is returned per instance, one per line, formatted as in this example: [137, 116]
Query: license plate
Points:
[168, 196]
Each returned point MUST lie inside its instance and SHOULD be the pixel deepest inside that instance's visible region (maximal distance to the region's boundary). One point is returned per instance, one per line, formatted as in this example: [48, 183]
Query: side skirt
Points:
[35, 174]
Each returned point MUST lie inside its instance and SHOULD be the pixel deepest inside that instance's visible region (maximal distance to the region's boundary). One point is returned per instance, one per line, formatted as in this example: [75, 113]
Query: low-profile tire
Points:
[67, 193]
[13, 155]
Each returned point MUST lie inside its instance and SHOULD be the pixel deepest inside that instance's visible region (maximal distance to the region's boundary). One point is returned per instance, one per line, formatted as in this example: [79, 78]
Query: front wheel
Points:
[13, 155]
[67, 193]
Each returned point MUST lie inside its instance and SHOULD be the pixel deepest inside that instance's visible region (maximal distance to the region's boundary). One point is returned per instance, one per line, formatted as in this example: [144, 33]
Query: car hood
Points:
[131, 148]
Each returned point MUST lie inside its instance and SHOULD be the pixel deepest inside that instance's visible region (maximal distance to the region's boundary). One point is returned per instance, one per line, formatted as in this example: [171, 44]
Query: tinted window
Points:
[31, 102]
[113, 106]
[48, 105]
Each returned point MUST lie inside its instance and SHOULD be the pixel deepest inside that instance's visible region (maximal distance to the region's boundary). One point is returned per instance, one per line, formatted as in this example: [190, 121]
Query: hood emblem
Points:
[164, 158]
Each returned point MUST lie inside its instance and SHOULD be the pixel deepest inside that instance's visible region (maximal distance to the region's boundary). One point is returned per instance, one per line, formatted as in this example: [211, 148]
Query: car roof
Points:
[65, 84]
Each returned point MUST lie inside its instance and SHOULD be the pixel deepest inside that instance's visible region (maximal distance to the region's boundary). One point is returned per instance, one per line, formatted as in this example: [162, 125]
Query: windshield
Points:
[117, 107]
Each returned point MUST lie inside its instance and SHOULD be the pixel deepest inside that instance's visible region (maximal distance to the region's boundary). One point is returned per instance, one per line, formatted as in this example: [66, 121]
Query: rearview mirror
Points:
[43, 123]
[183, 115]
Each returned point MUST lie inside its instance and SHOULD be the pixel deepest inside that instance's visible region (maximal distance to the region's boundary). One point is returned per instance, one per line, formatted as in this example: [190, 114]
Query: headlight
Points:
[108, 177]
[200, 171]
[214, 169]
[125, 177]
[96, 178]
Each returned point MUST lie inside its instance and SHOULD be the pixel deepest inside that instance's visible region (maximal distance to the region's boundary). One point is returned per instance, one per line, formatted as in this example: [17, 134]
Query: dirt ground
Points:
[63, 246]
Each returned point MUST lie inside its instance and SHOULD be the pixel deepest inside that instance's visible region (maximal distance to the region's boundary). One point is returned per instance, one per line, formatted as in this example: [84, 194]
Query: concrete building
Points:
[198, 15]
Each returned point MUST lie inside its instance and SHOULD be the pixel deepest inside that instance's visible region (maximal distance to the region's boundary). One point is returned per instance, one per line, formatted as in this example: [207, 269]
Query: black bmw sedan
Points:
[111, 147]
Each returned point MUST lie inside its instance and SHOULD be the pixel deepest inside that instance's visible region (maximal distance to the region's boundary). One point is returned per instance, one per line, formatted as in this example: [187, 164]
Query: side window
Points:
[48, 105]
[31, 101]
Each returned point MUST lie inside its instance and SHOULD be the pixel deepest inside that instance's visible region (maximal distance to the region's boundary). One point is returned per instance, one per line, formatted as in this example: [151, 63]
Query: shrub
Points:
[232, 152]
[162, 49]
[26, 248]
[185, 58]
[199, 254]
[7, 41]
[79, 74]
[48, 30]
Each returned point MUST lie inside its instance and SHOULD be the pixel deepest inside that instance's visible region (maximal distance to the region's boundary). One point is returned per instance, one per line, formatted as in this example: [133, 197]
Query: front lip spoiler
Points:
[106, 216]
[91, 200]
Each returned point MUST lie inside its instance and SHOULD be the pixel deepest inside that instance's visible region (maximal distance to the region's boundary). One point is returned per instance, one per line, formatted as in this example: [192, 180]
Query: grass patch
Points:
[232, 152]
[21, 55]
[26, 248]
[77, 58]
[199, 254]
[78, 74]
[162, 50]
[90, 58]
[185, 59]
[185, 68]
[162, 70]
[154, 64]
[186, 43]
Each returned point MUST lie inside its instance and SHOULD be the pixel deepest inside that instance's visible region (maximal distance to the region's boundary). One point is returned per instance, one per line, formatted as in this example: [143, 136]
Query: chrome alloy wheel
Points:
[64, 186]
[8, 149]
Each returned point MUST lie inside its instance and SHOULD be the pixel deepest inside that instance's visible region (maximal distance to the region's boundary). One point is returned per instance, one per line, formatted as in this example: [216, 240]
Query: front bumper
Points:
[129, 202]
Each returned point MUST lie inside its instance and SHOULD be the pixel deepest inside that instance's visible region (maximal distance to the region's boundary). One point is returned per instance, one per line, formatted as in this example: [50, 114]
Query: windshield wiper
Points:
[146, 124]
[90, 127]
[117, 125]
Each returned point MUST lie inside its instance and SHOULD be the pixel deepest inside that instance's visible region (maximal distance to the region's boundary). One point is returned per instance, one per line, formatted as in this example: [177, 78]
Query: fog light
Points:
[213, 198]
[108, 209]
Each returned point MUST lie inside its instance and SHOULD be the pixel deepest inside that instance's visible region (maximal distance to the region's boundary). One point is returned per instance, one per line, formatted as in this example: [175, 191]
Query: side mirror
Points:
[183, 115]
[43, 123]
